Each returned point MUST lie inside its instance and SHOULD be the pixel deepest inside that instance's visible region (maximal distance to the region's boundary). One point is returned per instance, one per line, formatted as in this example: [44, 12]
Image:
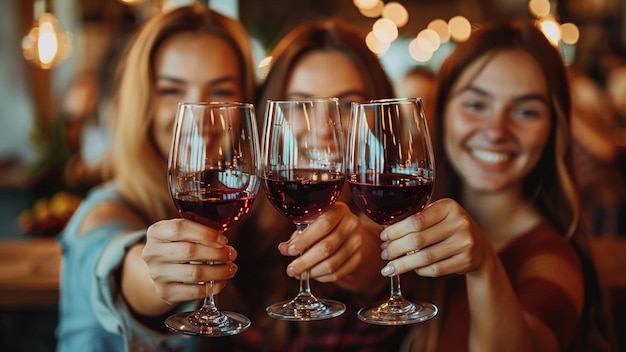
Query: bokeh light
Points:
[365, 4]
[551, 29]
[569, 33]
[417, 53]
[428, 40]
[373, 12]
[375, 45]
[441, 27]
[396, 13]
[539, 8]
[460, 28]
[385, 30]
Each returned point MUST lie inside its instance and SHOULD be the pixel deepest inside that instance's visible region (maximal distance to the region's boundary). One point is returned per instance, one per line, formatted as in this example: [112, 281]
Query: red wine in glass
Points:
[387, 198]
[213, 178]
[303, 195]
[390, 171]
[303, 173]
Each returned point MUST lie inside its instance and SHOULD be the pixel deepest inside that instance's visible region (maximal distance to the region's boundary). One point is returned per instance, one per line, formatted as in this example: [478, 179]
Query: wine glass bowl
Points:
[390, 171]
[213, 178]
[303, 173]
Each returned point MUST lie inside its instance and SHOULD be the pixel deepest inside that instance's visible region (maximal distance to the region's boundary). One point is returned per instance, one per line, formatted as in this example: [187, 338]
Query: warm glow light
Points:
[377, 46]
[460, 28]
[365, 4]
[396, 13]
[385, 30]
[441, 27]
[417, 53]
[551, 29]
[46, 44]
[539, 8]
[373, 12]
[428, 40]
[569, 33]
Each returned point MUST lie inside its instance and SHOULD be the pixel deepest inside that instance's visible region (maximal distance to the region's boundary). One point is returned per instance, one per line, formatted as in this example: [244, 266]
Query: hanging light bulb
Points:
[47, 44]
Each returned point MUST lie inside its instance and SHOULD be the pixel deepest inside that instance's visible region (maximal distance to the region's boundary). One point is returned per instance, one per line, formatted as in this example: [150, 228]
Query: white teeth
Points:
[489, 157]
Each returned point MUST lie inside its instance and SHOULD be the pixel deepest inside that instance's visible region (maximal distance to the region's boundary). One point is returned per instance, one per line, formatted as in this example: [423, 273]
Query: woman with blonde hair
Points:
[108, 299]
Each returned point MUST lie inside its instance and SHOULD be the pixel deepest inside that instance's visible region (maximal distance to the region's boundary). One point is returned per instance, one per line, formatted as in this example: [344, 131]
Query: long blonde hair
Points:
[134, 160]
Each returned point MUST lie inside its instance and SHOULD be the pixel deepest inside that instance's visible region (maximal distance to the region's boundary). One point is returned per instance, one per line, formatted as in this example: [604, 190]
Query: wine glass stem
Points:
[396, 291]
[305, 286]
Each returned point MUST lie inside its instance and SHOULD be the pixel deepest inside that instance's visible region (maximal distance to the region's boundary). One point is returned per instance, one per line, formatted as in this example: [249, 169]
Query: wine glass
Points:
[390, 171]
[213, 176]
[302, 170]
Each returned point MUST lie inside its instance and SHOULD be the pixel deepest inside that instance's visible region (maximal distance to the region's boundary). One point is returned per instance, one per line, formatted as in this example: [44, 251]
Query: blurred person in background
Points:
[420, 82]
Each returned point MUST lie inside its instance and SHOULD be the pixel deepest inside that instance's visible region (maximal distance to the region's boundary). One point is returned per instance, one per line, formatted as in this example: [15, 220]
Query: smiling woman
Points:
[507, 218]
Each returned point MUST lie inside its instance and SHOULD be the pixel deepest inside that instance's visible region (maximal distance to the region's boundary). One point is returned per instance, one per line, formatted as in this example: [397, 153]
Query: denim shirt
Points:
[93, 315]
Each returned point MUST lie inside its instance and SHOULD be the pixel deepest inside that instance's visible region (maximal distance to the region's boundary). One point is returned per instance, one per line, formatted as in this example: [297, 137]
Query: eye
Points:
[345, 105]
[474, 105]
[169, 91]
[224, 92]
[525, 112]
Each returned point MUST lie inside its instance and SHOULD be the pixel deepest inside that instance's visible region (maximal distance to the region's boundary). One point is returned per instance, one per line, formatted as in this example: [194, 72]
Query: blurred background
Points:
[57, 59]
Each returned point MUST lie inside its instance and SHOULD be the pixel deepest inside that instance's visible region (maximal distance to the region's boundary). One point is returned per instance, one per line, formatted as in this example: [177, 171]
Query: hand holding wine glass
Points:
[390, 171]
[303, 175]
[213, 179]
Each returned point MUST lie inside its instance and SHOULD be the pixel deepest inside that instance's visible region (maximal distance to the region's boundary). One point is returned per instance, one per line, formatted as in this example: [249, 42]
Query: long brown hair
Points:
[134, 160]
[324, 35]
[551, 184]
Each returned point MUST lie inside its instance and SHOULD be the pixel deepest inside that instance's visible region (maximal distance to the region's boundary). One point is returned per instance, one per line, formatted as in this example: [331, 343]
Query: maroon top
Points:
[539, 297]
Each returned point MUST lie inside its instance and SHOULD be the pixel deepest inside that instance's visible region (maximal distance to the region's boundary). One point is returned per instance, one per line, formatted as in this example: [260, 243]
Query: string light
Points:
[47, 44]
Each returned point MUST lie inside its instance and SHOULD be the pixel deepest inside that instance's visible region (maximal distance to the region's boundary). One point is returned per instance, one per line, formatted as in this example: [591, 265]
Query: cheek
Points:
[456, 129]
[536, 142]
[163, 122]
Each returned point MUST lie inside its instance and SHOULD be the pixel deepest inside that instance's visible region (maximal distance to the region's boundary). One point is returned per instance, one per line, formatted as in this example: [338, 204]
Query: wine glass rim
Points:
[384, 101]
[226, 104]
[304, 100]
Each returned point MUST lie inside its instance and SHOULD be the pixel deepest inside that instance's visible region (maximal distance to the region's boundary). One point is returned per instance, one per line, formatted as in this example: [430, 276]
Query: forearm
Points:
[497, 321]
[137, 286]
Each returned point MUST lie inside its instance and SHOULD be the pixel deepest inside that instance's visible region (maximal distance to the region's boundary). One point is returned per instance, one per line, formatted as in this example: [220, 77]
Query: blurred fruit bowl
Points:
[48, 216]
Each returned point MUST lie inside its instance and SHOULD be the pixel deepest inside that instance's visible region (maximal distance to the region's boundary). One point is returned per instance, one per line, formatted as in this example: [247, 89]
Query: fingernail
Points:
[384, 254]
[383, 236]
[291, 272]
[292, 250]
[222, 239]
[388, 270]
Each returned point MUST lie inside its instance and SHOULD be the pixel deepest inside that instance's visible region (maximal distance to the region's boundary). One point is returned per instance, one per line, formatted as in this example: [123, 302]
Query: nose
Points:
[496, 126]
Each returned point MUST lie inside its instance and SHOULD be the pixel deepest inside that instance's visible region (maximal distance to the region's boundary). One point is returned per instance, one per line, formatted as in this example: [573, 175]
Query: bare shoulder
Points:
[111, 212]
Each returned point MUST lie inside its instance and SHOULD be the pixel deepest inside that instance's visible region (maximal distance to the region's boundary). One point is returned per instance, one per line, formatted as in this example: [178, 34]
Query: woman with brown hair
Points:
[507, 218]
[324, 58]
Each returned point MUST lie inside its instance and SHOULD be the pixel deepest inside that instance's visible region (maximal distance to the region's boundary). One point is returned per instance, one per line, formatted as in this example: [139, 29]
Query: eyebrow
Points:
[518, 99]
[338, 96]
[219, 80]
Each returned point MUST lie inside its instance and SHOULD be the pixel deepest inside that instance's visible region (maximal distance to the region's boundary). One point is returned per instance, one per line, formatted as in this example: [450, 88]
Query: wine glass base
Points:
[322, 309]
[382, 315]
[234, 324]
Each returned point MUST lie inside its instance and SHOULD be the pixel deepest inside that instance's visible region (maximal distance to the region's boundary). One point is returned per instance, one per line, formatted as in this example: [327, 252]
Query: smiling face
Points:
[497, 121]
[191, 67]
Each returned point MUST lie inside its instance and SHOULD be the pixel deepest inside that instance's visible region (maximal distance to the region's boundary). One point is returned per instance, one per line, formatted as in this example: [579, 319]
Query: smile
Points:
[489, 157]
